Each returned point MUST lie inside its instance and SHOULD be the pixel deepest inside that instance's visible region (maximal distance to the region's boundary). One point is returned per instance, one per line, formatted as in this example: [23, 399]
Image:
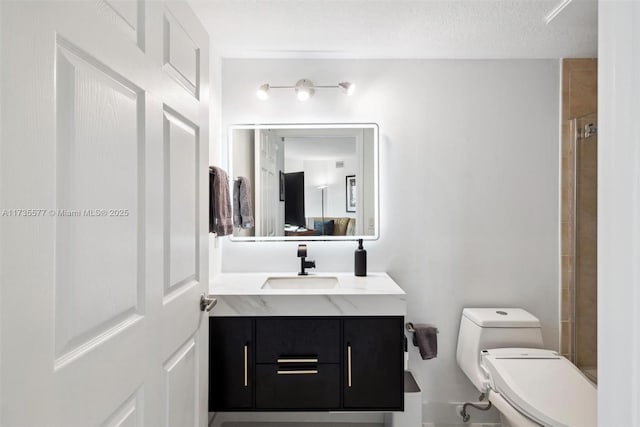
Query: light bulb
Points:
[304, 89]
[347, 87]
[352, 88]
[263, 92]
[303, 94]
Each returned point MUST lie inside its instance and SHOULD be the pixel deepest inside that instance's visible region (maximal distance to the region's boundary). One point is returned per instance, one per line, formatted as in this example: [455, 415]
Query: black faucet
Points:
[304, 264]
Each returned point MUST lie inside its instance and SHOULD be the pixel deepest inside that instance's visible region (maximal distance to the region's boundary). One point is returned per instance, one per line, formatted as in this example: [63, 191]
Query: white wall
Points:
[469, 154]
[619, 214]
[215, 136]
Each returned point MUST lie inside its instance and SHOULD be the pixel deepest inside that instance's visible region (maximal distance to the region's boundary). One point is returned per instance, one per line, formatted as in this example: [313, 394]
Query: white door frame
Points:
[618, 213]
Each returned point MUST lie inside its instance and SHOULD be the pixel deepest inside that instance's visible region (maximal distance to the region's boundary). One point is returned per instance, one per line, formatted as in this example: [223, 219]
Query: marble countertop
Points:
[348, 284]
[241, 294]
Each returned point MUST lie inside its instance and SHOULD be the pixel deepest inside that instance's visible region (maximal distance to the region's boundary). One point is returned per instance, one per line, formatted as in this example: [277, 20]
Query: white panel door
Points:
[267, 184]
[103, 216]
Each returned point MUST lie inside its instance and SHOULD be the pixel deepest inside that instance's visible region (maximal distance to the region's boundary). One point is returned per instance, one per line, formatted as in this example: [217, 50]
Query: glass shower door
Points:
[585, 245]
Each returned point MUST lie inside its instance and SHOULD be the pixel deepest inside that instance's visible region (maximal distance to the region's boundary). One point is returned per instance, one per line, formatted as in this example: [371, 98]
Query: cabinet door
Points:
[373, 363]
[231, 373]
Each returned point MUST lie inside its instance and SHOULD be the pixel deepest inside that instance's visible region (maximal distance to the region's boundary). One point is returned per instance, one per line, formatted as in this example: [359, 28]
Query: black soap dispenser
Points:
[360, 258]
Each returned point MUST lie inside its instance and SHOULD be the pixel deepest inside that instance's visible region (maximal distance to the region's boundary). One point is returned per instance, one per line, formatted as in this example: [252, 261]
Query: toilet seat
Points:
[542, 385]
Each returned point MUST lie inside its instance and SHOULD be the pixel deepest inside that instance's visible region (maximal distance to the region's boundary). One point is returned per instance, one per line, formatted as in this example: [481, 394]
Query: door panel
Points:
[128, 414]
[101, 115]
[231, 378]
[181, 54]
[100, 308]
[127, 16]
[181, 378]
[181, 140]
[374, 363]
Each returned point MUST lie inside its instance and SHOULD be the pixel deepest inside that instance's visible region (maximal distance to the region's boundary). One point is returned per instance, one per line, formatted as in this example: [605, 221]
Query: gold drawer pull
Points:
[298, 372]
[349, 364]
[246, 367]
[299, 360]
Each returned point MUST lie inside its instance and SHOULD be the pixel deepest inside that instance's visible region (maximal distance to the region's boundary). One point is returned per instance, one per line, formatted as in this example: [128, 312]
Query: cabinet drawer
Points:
[298, 338]
[306, 387]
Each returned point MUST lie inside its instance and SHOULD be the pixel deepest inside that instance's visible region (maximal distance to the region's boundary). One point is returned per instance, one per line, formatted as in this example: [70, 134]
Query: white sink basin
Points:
[301, 282]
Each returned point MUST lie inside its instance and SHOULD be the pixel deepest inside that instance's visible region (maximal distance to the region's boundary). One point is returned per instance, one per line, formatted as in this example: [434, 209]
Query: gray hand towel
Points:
[237, 218]
[220, 221]
[425, 338]
[242, 207]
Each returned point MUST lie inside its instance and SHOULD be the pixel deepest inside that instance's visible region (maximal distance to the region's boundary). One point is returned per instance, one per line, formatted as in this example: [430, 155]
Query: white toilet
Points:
[501, 352]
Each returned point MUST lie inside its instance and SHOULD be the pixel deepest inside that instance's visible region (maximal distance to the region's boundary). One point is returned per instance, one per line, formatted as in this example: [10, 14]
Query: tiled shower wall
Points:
[579, 98]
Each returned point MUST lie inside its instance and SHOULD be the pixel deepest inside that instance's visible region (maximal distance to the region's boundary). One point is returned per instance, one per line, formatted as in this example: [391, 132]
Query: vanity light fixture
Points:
[263, 92]
[347, 87]
[304, 89]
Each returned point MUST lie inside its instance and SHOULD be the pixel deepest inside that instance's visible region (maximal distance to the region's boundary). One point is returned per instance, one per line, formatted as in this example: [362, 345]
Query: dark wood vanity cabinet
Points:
[374, 360]
[231, 363]
[298, 388]
[286, 339]
[306, 363]
[298, 363]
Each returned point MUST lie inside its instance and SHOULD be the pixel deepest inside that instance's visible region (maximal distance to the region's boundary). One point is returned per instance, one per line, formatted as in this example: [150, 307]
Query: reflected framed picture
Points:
[351, 193]
[281, 186]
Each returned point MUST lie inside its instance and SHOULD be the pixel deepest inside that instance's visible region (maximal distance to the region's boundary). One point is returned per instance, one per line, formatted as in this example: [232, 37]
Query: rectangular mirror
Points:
[305, 182]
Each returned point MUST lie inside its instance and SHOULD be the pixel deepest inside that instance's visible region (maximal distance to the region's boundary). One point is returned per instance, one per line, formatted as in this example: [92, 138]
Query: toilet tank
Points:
[488, 328]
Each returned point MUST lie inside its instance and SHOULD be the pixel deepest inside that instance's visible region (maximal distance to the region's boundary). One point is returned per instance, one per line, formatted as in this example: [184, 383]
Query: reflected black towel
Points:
[425, 338]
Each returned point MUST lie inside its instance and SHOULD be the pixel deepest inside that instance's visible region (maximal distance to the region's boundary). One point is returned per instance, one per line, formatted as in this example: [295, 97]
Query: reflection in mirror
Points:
[306, 182]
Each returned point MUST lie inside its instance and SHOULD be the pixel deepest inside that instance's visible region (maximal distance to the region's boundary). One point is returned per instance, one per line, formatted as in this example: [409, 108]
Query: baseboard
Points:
[296, 424]
[245, 419]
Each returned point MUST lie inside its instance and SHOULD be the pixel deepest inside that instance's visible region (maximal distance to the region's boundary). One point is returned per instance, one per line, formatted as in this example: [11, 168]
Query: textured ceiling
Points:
[399, 29]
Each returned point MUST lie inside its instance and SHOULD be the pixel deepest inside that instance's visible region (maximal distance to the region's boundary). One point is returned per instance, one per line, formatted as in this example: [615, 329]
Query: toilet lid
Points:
[544, 386]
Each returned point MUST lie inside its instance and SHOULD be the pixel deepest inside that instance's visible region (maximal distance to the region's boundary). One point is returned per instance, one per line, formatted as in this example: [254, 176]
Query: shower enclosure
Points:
[583, 237]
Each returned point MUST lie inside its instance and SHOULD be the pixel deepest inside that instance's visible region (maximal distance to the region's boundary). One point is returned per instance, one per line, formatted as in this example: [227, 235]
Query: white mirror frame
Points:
[376, 173]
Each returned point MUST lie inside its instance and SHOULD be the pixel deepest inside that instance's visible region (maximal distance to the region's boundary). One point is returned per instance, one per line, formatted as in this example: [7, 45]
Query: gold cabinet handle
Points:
[298, 360]
[349, 365]
[246, 365]
[298, 372]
